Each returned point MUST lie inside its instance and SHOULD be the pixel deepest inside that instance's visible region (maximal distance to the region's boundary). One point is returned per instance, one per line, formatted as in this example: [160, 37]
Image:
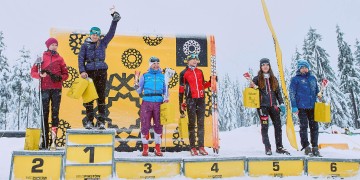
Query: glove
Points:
[183, 106]
[216, 78]
[136, 86]
[319, 95]
[282, 109]
[116, 16]
[295, 110]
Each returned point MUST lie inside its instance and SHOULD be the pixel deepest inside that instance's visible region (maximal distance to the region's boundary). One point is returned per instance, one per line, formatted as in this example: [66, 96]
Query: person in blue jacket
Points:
[152, 86]
[303, 93]
[92, 64]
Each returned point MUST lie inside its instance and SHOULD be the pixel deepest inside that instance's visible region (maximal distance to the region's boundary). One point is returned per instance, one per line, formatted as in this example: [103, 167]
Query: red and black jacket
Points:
[192, 84]
[56, 65]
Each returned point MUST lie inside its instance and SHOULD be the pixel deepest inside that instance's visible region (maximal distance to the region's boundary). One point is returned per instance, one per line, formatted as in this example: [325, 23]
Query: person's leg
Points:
[200, 112]
[303, 128]
[55, 98]
[145, 120]
[158, 128]
[100, 89]
[276, 120]
[191, 109]
[264, 120]
[45, 96]
[89, 107]
[314, 128]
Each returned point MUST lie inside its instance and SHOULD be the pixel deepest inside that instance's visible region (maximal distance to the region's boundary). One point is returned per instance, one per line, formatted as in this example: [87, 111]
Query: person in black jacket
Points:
[270, 95]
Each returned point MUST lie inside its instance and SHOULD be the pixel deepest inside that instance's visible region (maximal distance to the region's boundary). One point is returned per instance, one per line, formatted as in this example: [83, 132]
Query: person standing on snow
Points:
[152, 86]
[303, 92]
[193, 85]
[270, 95]
[92, 64]
[53, 72]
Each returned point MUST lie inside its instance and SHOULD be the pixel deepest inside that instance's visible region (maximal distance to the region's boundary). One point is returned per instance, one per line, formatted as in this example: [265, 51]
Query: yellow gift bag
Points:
[77, 88]
[322, 112]
[165, 114]
[32, 139]
[183, 127]
[251, 98]
[90, 92]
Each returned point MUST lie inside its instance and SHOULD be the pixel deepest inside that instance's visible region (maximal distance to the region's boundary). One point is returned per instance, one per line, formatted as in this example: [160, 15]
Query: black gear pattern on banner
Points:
[63, 126]
[153, 42]
[180, 145]
[76, 40]
[174, 80]
[208, 103]
[131, 52]
[73, 75]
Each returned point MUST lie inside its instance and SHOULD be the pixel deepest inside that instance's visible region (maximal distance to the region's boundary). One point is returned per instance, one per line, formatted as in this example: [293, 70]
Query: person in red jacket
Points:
[193, 85]
[52, 70]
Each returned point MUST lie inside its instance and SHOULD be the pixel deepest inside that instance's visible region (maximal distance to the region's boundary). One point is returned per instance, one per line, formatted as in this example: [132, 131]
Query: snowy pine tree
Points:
[357, 53]
[349, 75]
[320, 68]
[227, 105]
[4, 85]
[21, 85]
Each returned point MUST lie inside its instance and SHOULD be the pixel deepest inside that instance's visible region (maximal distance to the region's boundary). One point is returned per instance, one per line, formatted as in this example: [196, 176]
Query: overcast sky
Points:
[241, 34]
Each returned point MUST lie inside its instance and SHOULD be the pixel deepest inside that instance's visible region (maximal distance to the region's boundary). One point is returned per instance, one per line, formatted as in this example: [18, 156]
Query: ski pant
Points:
[99, 78]
[306, 117]
[150, 110]
[196, 113]
[274, 113]
[53, 95]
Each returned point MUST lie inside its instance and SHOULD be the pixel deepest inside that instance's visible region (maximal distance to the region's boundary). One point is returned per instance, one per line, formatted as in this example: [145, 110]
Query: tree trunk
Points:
[356, 122]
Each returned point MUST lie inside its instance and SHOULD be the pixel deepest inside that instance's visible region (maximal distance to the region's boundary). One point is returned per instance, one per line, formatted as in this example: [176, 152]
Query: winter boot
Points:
[53, 138]
[308, 151]
[193, 152]
[202, 151]
[89, 125]
[158, 150]
[268, 151]
[315, 151]
[101, 125]
[101, 121]
[282, 150]
[145, 150]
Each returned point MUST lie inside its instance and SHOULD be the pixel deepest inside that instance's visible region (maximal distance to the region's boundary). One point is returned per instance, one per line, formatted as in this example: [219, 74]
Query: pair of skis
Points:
[214, 99]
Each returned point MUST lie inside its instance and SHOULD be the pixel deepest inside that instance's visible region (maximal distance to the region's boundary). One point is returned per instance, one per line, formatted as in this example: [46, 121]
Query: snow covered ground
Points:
[244, 141]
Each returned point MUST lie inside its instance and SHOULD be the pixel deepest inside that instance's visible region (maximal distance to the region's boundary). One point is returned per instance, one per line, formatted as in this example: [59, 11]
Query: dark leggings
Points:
[274, 113]
[306, 117]
[196, 113]
[99, 78]
[53, 95]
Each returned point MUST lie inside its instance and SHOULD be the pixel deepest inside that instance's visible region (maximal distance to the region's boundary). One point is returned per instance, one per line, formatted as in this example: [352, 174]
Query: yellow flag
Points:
[290, 132]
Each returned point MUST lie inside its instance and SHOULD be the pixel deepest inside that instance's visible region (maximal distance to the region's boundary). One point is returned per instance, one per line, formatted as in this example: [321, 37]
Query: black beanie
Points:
[264, 60]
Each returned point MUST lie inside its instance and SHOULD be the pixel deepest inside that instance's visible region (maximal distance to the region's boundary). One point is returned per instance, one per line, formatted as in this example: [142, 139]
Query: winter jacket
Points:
[268, 97]
[303, 91]
[54, 63]
[153, 85]
[92, 54]
[192, 83]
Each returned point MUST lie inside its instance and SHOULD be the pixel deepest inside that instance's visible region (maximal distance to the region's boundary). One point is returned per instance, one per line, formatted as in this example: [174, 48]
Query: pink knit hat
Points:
[50, 41]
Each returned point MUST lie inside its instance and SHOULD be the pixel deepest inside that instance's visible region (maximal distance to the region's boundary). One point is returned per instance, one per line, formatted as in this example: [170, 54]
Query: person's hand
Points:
[166, 101]
[182, 114]
[55, 78]
[282, 109]
[295, 110]
[84, 75]
[43, 74]
[116, 16]
[183, 106]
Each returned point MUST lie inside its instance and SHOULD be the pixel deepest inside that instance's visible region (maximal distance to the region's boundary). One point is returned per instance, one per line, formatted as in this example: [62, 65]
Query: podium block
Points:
[214, 167]
[332, 167]
[147, 167]
[37, 165]
[275, 166]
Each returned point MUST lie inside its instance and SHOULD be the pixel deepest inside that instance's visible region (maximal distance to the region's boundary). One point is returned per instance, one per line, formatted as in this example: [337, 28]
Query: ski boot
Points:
[89, 125]
[158, 150]
[100, 125]
[315, 152]
[53, 138]
[101, 121]
[193, 152]
[282, 150]
[145, 150]
[202, 151]
[268, 151]
[308, 151]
